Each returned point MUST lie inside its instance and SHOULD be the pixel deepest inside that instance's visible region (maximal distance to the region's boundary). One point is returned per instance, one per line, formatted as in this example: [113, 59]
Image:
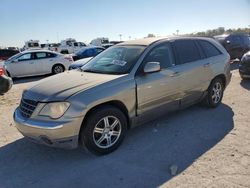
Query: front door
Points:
[22, 66]
[158, 92]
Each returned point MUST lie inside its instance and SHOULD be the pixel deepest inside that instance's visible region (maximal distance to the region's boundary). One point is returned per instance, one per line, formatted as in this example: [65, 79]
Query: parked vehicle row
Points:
[87, 52]
[37, 62]
[126, 85]
[7, 53]
[236, 44]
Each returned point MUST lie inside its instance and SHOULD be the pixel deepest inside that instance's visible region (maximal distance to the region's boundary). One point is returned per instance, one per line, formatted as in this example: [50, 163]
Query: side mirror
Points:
[151, 67]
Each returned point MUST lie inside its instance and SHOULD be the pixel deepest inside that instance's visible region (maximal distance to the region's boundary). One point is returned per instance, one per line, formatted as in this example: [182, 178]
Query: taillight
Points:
[68, 58]
[1, 71]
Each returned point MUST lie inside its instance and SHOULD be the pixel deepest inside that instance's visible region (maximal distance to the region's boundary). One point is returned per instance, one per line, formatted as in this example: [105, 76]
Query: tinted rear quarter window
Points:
[186, 51]
[50, 55]
[209, 49]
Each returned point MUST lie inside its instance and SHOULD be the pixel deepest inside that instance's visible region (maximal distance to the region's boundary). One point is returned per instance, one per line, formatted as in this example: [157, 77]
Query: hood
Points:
[62, 86]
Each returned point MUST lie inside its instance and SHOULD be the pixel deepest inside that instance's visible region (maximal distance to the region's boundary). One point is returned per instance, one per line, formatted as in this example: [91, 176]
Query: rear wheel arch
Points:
[222, 77]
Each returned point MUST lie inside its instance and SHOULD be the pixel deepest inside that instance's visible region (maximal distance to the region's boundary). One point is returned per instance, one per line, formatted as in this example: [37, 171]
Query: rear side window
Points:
[209, 49]
[40, 55]
[186, 51]
[162, 54]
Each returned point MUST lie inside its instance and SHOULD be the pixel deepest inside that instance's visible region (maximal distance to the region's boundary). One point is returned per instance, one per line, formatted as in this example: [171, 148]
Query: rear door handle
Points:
[206, 65]
[175, 74]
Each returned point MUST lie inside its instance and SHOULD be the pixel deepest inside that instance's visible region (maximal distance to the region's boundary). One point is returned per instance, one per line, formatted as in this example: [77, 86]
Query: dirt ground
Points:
[209, 147]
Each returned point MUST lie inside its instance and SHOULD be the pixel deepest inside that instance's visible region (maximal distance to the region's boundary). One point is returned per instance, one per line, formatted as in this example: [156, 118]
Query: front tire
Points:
[215, 93]
[104, 130]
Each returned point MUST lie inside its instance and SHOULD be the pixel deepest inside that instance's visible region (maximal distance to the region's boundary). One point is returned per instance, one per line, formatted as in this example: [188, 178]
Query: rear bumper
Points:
[60, 134]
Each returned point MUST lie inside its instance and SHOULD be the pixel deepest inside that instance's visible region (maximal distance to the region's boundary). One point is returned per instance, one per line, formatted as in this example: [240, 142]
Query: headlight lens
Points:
[54, 110]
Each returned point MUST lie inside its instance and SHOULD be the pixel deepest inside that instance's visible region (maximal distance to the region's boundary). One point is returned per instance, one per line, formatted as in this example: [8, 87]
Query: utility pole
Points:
[177, 32]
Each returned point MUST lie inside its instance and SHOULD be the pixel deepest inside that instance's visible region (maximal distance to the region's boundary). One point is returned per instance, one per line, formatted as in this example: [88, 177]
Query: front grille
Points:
[27, 107]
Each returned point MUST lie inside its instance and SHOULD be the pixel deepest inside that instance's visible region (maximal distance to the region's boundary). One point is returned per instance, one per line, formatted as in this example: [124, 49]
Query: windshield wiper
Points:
[96, 71]
[92, 71]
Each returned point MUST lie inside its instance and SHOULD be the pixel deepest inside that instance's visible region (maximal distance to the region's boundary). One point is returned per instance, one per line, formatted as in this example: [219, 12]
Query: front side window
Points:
[115, 60]
[162, 54]
[186, 51]
[25, 57]
[209, 49]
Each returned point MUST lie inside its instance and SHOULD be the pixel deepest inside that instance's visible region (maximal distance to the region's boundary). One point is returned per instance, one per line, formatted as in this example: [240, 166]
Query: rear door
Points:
[159, 91]
[45, 62]
[191, 69]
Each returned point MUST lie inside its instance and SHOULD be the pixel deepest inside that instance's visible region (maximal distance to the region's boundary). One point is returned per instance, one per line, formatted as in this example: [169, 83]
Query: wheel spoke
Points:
[100, 140]
[108, 138]
[98, 130]
[114, 124]
[106, 122]
[115, 133]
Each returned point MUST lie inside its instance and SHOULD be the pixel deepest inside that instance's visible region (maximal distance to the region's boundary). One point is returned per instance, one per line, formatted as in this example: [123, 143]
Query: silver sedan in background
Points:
[37, 62]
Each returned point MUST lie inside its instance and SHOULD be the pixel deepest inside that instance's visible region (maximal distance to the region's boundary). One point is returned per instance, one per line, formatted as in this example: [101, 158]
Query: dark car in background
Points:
[87, 52]
[7, 53]
[244, 66]
[236, 44]
[5, 81]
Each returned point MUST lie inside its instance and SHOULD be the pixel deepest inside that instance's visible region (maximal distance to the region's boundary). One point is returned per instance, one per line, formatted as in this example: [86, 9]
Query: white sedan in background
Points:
[37, 62]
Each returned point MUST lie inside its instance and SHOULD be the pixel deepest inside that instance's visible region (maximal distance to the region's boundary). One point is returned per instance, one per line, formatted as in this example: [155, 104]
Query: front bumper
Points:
[60, 133]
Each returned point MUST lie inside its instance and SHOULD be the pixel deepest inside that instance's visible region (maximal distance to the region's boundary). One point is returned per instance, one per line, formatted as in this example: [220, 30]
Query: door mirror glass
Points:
[151, 67]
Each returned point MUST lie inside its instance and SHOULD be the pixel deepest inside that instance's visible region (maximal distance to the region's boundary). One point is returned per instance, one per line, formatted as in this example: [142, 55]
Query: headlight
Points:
[54, 110]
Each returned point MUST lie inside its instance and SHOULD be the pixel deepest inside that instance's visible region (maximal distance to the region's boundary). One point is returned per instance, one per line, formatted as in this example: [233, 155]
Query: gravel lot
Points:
[210, 147]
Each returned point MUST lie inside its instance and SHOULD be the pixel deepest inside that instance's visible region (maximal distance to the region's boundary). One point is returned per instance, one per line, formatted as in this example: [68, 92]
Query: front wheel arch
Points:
[116, 104]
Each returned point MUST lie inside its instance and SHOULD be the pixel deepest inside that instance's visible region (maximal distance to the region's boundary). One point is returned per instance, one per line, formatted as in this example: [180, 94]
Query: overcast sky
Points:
[84, 20]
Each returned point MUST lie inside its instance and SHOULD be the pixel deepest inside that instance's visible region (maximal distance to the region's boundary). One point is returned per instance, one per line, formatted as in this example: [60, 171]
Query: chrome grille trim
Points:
[27, 107]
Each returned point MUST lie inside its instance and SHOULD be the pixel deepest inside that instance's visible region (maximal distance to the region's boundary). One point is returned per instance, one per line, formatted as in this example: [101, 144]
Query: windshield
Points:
[115, 60]
[79, 52]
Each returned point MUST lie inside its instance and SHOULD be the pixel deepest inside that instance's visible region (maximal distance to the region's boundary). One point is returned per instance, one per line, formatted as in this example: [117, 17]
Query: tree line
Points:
[213, 32]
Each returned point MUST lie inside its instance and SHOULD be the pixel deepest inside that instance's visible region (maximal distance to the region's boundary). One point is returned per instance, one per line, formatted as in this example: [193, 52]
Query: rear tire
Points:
[104, 130]
[214, 93]
[57, 69]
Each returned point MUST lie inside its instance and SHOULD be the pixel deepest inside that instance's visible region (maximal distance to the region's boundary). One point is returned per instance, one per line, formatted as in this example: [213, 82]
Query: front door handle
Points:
[31, 62]
[175, 74]
[206, 65]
